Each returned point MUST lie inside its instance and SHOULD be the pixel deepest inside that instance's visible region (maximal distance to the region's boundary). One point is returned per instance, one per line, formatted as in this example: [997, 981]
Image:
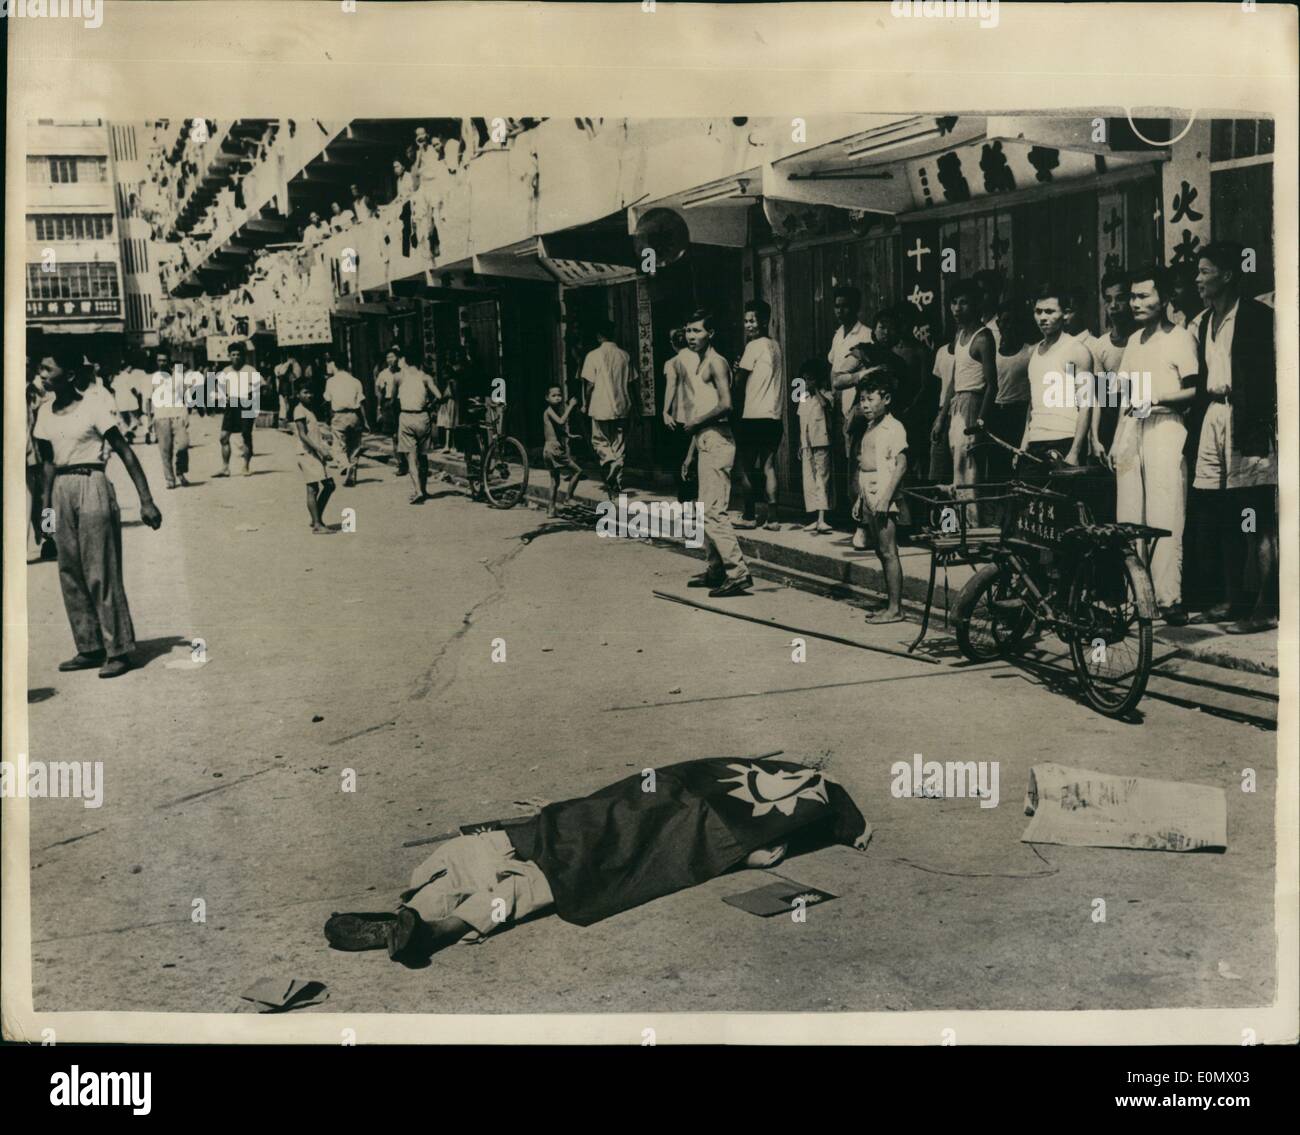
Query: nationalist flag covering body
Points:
[645, 837]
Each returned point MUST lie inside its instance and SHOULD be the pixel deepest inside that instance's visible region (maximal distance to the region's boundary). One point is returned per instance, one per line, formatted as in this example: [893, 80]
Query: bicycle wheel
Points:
[1112, 605]
[505, 473]
[991, 618]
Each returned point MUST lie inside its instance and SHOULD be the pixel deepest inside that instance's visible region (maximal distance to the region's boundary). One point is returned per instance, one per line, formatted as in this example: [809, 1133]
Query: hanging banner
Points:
[302, 326]
[1185, 197]
[920, 278]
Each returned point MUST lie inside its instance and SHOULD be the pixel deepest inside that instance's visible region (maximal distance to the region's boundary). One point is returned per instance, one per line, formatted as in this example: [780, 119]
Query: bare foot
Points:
[885, 616]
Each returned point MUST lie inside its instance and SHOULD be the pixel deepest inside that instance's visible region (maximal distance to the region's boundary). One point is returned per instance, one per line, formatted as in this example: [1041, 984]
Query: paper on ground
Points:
[1079, 808]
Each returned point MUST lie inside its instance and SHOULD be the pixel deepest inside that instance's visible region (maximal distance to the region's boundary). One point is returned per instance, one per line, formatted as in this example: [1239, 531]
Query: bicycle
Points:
[1049, 567]
[497, 464]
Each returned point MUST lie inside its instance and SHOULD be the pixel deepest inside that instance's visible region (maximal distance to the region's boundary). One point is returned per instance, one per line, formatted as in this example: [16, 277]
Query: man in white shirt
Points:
[1107, 352]
[345, 395]
[607, 371]
[239, 389]
[760, 423]
[171, 416]
[1236, 453]
[1159, 368]
[315, 232]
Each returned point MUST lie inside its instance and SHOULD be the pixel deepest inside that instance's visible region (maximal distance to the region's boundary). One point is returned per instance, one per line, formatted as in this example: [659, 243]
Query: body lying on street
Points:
[646, 836]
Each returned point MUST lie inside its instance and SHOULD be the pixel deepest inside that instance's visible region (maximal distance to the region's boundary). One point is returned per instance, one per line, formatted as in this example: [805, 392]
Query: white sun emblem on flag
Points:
[781, 790]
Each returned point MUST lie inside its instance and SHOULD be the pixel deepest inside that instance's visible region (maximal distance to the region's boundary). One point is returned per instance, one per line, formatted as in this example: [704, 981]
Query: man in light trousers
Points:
[709, 382]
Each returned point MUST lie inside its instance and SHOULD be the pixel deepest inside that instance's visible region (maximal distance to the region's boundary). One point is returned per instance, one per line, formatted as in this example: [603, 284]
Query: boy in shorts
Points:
[882, 461]
[313, 455]
[559, 460]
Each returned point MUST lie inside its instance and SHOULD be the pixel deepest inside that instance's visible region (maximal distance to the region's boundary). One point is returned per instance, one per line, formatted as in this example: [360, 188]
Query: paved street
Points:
[372, 651]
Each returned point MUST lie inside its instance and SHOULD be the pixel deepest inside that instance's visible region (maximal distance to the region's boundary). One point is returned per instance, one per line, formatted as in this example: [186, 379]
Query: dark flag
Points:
[645, 837]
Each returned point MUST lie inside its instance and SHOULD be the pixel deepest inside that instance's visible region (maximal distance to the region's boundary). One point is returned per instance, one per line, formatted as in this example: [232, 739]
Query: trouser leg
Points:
[77, 600]
[1165, 477]
[717, 455]
[100, 543]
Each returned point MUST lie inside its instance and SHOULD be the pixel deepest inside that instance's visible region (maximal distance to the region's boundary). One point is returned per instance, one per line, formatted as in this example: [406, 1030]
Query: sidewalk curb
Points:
[855, 577]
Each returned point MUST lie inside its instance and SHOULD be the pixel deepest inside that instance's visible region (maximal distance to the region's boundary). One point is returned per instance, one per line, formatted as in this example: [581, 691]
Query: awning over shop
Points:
[927, 162]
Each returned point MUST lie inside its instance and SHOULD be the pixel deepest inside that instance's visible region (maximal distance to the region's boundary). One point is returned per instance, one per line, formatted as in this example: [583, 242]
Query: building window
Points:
[73, 282]
[1232, 138]
[70, 226]
[66, 170]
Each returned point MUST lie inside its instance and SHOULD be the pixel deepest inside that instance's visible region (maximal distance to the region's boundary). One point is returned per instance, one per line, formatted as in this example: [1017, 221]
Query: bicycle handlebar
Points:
[973, 431]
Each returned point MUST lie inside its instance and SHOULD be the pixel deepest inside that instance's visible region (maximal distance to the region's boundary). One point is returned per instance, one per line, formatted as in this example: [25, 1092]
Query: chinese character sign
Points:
[1185, 197]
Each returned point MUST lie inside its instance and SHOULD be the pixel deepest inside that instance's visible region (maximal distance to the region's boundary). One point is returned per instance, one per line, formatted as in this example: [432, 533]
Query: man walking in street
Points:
[760, 423]
[386, 393]
[1236, 460]
[710, 392]
[607, 371]
[344, 393]
[239, 387]
[171, 416]
[417, 396]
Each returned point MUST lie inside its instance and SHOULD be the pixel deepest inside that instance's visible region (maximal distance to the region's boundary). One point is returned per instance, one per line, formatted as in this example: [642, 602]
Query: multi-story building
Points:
[74, 270]
[131, 145]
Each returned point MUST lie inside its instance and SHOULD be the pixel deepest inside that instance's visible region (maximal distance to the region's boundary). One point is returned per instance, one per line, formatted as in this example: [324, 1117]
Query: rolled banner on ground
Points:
[1079, 808]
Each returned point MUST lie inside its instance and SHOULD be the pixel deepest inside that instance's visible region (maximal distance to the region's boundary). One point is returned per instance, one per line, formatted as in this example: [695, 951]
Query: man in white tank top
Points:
[968, 398]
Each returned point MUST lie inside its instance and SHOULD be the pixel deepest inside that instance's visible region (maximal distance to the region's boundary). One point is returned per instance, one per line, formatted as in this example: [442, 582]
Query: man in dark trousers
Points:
[1236, 454]
[650, 834]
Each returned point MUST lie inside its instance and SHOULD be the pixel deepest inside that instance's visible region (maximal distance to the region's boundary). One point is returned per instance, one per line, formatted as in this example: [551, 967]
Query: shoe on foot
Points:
[743, 523]
[732, 587]
[83, 662]
[813, 527]
[1175, 615]
[183, 481]
[772, 526]
[705, 580]
[1252, 625]
[49, 550]
[222, 473]
[822, 529]
[116, 667]
[171, 484]
[407, 937]
[359, 931]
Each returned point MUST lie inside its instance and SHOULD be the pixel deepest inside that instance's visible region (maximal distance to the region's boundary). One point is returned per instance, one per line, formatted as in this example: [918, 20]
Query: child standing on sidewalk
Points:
[313, 455]
[559, 460]
[882, 461]
[815, 442]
